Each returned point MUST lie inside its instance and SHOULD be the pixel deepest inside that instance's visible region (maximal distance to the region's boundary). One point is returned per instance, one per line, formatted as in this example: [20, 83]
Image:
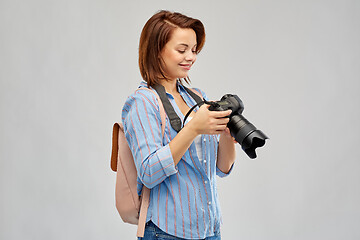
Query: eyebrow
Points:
[186, 45]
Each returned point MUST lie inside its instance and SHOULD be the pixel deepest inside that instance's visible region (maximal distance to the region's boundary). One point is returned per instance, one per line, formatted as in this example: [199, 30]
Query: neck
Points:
[170, 86]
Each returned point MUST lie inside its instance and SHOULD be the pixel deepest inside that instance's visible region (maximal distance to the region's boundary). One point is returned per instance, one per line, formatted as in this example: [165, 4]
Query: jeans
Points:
[152, 232]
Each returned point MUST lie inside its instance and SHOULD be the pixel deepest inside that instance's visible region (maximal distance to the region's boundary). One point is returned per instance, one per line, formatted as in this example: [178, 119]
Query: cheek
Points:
[172, 58]
[176, 58]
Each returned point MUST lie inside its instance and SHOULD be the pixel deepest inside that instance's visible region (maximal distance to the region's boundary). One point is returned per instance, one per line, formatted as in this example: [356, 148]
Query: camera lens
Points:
[246, 134]
[252, 141]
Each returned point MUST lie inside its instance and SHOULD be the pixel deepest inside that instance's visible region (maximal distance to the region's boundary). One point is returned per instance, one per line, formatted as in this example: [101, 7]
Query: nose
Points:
[190, 57]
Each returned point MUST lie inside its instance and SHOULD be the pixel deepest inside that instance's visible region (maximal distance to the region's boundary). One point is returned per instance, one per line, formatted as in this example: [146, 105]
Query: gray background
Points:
[66, 68]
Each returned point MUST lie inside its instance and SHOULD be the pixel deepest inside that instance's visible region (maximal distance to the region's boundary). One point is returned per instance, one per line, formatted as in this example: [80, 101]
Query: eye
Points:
[181, 51]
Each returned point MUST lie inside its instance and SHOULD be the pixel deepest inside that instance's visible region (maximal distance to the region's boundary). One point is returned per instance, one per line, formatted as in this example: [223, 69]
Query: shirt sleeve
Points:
[142, 127]
[222, 174]
[203, 94]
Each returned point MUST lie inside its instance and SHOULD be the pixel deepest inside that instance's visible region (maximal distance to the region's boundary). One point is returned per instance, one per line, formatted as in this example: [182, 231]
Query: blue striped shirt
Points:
[183, 198]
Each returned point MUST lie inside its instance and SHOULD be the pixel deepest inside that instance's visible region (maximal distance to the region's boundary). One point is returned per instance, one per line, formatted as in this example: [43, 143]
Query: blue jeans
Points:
[152, 232]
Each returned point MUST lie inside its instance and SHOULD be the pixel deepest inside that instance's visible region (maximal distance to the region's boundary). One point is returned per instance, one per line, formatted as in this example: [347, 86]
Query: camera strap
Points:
[175, 120]
[192, 109]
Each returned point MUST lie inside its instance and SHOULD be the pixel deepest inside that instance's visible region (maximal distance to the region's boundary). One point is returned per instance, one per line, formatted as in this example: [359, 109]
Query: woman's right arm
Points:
[142, 126]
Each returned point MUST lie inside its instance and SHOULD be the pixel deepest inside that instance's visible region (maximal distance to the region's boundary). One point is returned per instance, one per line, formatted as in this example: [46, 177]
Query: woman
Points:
[180, 168]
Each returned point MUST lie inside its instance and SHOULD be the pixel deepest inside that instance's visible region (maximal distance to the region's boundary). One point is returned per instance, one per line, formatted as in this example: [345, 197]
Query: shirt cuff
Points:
[222, 174]
[167, 161]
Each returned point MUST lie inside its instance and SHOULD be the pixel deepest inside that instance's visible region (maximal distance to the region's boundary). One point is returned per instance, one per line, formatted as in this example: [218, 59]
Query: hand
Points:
[227, 135]
[209, 122]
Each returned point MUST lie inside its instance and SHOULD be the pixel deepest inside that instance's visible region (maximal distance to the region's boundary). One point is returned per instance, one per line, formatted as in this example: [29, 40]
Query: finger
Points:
[203, 107]
[219, 131]
[221, 127]
[221, 114]
[227, 131]
[222, 121]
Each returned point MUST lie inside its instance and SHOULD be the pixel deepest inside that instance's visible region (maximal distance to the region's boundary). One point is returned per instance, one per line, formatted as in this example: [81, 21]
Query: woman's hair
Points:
[155, 34]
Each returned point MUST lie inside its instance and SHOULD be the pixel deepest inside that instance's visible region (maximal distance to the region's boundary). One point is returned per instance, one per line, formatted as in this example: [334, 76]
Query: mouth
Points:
[185, 66]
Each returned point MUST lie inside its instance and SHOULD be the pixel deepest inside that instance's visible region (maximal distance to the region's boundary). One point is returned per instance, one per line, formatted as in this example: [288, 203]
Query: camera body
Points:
[241, 129]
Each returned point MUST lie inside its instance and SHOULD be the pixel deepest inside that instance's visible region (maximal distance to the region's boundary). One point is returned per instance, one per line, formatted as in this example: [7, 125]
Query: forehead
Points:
[183, 36]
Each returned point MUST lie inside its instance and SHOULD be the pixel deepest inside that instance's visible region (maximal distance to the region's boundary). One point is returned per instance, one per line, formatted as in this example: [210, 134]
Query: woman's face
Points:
[179, 54]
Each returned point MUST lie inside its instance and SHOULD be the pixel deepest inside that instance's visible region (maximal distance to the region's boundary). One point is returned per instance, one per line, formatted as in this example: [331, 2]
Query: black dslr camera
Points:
[241, 129]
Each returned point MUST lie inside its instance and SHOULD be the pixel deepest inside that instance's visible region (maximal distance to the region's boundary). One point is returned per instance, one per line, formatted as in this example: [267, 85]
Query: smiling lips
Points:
[186, 66]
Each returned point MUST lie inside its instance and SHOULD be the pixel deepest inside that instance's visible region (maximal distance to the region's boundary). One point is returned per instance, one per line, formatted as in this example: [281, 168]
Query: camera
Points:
[241, 129]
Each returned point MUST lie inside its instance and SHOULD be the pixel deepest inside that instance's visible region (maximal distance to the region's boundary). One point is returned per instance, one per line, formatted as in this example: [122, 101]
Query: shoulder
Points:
[144, 96]
[199, 91]
[141, 98]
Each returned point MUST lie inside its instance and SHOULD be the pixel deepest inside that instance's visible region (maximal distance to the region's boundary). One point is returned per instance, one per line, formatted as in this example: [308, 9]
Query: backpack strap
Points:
[145, 195]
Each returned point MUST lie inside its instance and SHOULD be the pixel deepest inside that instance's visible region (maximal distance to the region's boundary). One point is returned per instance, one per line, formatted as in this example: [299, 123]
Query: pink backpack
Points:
[131, 207]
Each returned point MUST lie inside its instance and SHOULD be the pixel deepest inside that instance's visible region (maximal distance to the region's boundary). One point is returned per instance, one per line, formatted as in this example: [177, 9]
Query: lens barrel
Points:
[246, 134]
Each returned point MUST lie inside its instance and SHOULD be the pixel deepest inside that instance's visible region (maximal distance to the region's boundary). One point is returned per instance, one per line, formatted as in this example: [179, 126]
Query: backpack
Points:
[132, 207]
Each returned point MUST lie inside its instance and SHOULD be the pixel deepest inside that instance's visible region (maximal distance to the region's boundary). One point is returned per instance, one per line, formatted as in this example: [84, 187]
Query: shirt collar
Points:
[179, 86]
[143, 84]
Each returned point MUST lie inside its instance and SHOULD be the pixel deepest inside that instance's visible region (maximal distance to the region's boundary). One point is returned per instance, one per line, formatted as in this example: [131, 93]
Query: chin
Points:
[182, 75]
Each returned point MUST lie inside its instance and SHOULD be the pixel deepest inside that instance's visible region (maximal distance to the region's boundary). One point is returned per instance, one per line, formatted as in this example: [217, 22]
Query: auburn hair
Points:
[156, 32]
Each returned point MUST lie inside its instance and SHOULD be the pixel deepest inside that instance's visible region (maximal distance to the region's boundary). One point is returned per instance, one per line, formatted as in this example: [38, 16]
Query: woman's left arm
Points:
[226, 152]
[226, 149]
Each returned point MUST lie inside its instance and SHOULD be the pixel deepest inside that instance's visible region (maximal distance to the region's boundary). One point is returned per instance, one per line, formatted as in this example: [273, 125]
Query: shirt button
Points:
[206, 181]
[209, 203]
[204, 161]
[204, 139]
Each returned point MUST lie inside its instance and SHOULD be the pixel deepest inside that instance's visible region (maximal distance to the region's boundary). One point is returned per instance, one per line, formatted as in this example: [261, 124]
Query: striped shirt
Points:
[183, 197]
